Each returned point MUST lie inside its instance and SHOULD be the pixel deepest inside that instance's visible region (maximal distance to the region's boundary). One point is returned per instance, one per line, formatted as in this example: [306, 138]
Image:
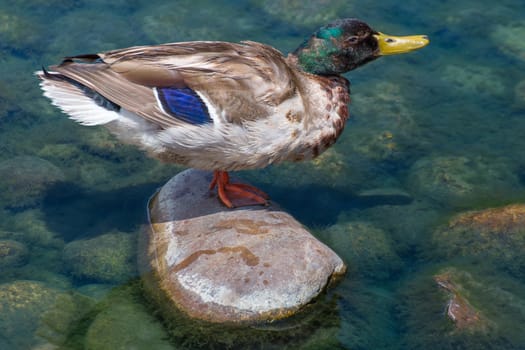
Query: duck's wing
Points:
[193, 82]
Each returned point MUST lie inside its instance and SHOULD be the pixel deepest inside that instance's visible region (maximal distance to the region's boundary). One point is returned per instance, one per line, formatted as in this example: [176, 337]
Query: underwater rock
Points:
[407, 221]
[329, 166]
[29, 226]
[18, 33]
[508, 37]
[332, 169]
[456, 180]
[389, 132]
[459, 310]
[59, 152]
[365, 311]
[58, 325]
[460, 307]
[124, 323]
[25, 180]
[367, 249]
[475, 79]
[22, 303]
[106, 258]
[221, 265]
[327, 170]
[12, 253]
[495, 237]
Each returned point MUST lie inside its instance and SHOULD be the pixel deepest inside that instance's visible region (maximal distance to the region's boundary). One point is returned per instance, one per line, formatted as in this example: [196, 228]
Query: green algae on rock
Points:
[364, 309]
[458, 180]
[59, 324]
[22, 304]
[42, 259]
[315, 327]
[12, 254]
[409, 223]
[390, 129]
[25, 180]
[18, 32]
[325, 170]
[492, 237]
[29, 227]
[491, 306]
[107, 258]
[123, 322]
[458, 308]
[475, 79]
[97, 160]
[366, 249]
[509, 38]
[118, 321]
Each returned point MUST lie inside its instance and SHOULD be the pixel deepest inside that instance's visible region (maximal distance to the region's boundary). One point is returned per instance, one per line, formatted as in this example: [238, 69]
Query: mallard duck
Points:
[223, 106]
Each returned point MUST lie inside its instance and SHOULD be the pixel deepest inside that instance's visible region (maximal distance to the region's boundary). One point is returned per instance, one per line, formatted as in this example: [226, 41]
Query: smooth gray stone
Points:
[243, 265]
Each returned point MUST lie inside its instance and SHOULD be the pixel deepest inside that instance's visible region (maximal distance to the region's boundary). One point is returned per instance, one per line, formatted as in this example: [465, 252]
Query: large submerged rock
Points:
[107, 258]
[492, 237]
[245, 265]
[25, 180]
[460, 306]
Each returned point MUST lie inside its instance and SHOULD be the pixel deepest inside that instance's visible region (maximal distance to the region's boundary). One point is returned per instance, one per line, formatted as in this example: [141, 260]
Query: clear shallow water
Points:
[433, 134]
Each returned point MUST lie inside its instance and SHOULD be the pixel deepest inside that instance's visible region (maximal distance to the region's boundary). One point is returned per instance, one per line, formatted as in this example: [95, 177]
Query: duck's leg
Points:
[236, 195]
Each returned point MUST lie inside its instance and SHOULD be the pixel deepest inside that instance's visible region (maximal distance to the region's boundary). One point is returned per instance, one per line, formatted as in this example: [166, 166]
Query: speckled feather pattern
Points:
[300, 129]
[263, 109]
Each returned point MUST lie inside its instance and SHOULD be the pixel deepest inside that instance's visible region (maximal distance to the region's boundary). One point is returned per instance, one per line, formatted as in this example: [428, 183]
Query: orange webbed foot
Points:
[236, 194]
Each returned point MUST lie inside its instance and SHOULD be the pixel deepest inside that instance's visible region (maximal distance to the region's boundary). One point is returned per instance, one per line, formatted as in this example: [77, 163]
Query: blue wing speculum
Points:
[183, 104]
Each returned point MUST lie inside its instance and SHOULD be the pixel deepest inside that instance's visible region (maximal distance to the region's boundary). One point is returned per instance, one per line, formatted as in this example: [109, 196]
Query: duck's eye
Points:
[352, 39]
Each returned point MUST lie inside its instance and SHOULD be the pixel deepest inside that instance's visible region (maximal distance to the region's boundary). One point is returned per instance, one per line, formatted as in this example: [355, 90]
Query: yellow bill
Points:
[392, 45]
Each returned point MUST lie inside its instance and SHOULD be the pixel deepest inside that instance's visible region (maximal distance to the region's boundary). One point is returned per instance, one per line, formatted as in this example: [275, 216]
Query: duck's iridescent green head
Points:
[346, 44]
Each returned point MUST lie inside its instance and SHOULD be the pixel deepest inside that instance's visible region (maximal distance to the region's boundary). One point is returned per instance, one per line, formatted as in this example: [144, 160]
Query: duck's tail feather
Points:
[81, 103]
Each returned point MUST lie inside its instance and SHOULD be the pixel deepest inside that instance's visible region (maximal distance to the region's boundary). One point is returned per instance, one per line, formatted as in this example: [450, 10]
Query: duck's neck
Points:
[317, 56]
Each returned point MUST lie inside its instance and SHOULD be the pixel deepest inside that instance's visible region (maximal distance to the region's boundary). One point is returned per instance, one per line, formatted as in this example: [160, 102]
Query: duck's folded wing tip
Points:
[75, 101]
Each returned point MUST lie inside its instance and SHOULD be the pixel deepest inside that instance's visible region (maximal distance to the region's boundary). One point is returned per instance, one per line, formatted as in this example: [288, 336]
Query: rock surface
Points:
[22, 304]
[25, 180]
[12, 253]
[457, 180]
[60, 324]
[506, 37]
[368, 249]
[125, 324]
[246, 265]
[492, 237]
[459, 309]
[458, 306]
[106, 258]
